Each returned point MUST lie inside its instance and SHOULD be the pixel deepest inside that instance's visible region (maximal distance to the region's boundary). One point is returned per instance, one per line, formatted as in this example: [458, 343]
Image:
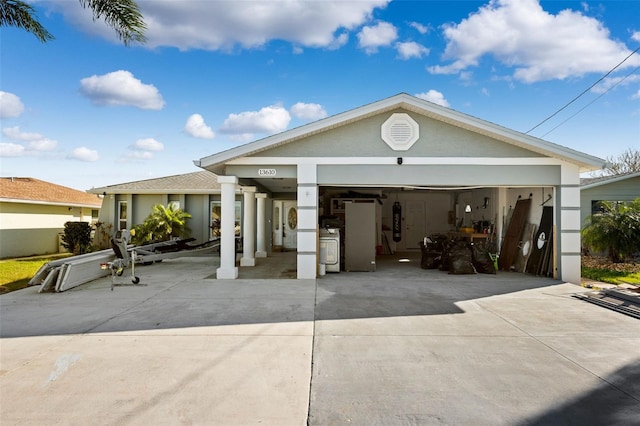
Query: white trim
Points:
[50, 203]
[135, 191]
[476, 161]
[612, 180]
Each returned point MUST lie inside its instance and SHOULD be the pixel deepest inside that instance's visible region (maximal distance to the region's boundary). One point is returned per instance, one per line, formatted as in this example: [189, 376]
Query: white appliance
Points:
[330, 249]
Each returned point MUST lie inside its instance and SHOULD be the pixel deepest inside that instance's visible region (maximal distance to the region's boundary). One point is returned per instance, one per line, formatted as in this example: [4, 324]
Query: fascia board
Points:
[118, 191]
[49, 203]
[612, 180]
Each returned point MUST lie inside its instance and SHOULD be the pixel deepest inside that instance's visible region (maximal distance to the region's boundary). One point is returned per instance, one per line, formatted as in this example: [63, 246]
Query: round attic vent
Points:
[400, 131]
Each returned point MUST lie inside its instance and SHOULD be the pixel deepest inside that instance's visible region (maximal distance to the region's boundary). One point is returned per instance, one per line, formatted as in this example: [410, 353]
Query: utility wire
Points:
[583, 92]
[587, 105]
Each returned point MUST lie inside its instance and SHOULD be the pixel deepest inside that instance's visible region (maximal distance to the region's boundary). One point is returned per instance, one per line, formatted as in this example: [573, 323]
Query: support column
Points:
[261, 210]
[249, 227]
[307, 221]
[227, 269]
[567, 218]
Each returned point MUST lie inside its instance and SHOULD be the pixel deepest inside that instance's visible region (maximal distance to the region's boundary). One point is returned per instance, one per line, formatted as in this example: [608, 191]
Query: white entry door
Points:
[290, 225]
[277, 224]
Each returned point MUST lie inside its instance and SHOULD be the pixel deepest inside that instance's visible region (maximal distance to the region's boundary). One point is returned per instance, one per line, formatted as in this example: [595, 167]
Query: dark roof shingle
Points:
[185, 183]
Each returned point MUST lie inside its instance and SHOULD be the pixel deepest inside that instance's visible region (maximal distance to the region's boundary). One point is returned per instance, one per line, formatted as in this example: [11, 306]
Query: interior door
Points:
[290, 225]
[415, 224]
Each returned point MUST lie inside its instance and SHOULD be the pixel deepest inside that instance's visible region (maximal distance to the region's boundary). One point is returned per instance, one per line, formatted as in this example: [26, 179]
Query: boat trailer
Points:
[64, 274]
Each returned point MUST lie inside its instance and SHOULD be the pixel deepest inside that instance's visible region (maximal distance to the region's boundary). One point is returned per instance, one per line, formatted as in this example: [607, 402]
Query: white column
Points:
[567, 239]
[261, 210]
[227, 269]
[249, 227]
[307, 221]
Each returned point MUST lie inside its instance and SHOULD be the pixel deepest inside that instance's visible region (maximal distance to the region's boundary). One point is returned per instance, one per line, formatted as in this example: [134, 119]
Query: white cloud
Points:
[84, 154]
[339, 41]
[197, 128]
[148, 144]
[433, 96]
[216, 25]
[309, 112]
[269, 120]
[539, 45]
[635, 36]
[31, 143]
[121, 88]
[610, 82]
[636, 95]
[11, 150]
[137, 155]
[10, 105]
[15, 134]
[380, 35]
[411, 49]
[422, 29]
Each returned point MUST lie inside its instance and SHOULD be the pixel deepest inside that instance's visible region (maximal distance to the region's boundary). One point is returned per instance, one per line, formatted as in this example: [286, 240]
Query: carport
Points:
[445, 170]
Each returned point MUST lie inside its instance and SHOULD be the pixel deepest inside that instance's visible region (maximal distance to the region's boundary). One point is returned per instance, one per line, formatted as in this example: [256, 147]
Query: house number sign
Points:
[266, 172]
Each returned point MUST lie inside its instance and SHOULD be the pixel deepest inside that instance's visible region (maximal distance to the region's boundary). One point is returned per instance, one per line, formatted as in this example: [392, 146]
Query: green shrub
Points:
[77, 237]
[162, 224]
[615, 230]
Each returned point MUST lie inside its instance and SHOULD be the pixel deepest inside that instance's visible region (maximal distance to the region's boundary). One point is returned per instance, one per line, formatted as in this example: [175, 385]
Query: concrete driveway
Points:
[398, 346]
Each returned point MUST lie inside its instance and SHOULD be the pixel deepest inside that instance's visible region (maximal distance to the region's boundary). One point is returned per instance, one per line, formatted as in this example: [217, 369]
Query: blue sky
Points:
[86, 111]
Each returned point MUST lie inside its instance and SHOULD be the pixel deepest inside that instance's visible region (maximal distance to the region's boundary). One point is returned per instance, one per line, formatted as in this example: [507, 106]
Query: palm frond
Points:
[16, 13]
[123, 16]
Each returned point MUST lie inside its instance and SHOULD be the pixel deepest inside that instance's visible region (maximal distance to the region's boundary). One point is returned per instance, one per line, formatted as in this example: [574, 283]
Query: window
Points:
[122, 215]
[94, 215]
[216, 213]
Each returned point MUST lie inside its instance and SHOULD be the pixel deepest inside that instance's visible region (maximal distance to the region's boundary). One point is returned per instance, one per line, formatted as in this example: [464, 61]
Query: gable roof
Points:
[586, 162]
[35, 191]
[587, 183]
[201, 182]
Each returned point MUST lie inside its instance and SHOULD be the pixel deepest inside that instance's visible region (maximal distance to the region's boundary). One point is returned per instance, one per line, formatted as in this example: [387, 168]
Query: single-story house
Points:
[622, 187]
[388, 174]
[33, 213]
[128, 204]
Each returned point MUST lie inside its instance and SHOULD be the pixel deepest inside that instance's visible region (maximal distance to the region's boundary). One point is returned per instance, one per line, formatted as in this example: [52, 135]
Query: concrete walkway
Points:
[398, 346]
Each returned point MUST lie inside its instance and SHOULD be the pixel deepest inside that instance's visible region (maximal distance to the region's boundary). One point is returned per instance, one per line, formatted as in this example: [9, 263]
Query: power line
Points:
[587, 105]
[583, 92]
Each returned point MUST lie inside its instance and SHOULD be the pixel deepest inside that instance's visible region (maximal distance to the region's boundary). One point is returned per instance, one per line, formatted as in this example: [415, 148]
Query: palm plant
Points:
[122, 15]
[162, 224]
[616, 229]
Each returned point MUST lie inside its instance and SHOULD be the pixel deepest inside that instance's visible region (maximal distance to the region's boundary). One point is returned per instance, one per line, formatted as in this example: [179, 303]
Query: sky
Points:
[85, 111]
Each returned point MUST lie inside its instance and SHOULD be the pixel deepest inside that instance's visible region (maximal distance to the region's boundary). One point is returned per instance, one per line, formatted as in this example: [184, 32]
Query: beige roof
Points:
[25, 189]
[188, 183]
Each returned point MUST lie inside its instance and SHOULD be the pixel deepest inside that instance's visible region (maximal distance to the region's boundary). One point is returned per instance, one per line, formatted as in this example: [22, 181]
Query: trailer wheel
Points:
[135, 280]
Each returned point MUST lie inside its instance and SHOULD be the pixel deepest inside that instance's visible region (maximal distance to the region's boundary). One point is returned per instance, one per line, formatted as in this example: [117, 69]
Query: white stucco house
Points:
[33, 213]
[622, 187]
[442, 168]
[128, 204]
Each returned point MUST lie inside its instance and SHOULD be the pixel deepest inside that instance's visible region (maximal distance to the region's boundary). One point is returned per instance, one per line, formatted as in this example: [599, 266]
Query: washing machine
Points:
[330, 249]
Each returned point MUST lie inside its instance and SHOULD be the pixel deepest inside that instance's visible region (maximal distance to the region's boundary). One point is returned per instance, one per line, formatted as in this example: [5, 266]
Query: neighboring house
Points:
[33, 214]
[128, 204]
[441, 167]
[622, 187]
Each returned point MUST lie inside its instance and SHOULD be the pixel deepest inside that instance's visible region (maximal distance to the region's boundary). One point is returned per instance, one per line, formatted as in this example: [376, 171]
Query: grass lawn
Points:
[603, 270]
[611, 277]
[16, 273]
